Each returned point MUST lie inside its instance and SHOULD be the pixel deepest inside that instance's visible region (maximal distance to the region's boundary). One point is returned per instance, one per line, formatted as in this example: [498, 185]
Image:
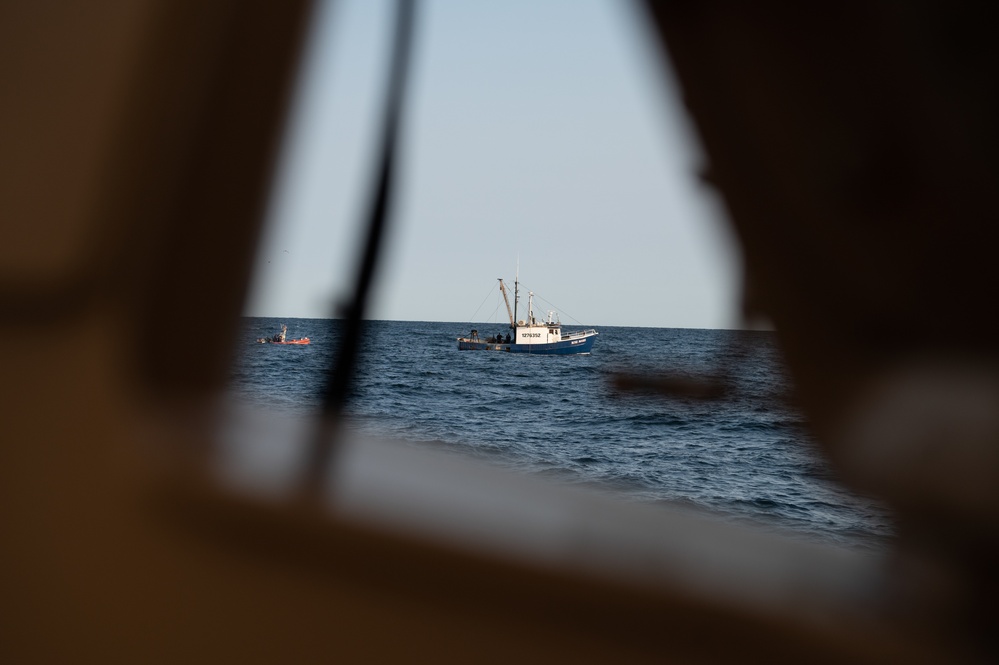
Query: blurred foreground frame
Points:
[856, 151]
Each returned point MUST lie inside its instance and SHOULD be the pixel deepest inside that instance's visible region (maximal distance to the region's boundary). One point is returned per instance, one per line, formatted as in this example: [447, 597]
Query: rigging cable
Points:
[472, 318]
[557, 308]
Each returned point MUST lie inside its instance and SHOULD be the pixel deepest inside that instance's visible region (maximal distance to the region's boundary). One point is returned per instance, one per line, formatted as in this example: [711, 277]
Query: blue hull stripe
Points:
[563, 348]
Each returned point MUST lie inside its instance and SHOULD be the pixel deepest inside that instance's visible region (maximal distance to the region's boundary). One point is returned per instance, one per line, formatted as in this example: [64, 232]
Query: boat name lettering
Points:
[532, 334]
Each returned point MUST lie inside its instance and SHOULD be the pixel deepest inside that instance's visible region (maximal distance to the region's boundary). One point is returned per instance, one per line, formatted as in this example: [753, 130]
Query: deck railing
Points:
[579, 333]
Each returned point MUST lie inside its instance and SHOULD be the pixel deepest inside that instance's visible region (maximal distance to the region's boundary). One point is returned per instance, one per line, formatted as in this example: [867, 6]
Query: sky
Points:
[543, 134]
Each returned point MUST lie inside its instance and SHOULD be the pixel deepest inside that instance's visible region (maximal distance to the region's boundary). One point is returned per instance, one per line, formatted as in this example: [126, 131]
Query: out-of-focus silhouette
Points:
[855, 148]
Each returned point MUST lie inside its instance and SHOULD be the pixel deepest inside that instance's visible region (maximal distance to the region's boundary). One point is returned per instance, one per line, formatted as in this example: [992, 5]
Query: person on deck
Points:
[508, 338]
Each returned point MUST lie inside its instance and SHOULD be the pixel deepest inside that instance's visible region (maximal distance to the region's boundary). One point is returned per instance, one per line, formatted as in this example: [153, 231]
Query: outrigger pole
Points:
[506, 300]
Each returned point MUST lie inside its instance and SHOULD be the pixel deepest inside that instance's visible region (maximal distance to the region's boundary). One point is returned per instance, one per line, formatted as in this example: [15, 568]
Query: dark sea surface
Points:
[745, 455]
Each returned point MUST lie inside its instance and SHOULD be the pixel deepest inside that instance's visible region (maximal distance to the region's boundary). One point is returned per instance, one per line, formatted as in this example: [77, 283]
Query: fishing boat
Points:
[281, 340]
[544, 337]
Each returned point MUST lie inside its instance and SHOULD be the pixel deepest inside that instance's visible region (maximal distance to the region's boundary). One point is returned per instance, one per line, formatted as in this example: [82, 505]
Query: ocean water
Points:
[745, 455]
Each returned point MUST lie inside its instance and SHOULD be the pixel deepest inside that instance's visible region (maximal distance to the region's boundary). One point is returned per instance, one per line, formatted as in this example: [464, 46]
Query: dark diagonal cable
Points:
[340, 375]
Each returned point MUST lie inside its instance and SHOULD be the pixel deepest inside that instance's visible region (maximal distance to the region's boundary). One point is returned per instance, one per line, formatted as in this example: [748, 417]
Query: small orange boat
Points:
[298, 342]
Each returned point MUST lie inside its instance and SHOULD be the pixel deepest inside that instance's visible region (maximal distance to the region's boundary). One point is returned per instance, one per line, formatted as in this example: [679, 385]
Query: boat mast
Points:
[506, 300]
[516, 293]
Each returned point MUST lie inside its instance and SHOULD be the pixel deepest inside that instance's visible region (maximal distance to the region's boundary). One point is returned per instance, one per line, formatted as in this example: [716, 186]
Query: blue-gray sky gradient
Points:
[543, 130]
